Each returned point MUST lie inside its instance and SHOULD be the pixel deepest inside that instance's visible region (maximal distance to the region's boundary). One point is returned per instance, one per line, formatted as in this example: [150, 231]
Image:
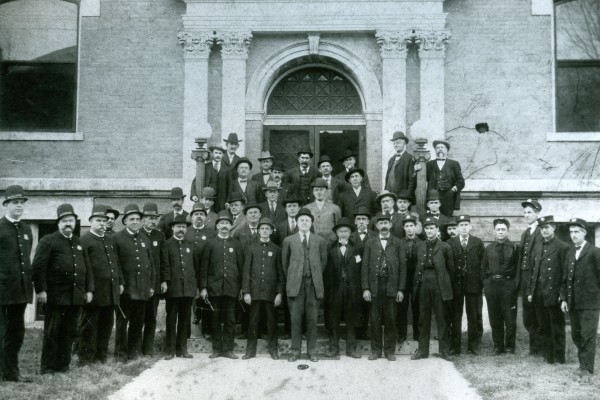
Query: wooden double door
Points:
[285, 141]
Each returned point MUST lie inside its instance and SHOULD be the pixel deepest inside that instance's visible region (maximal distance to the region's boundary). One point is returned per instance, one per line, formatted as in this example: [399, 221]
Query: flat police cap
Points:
[501, 221]
[548, 219]
[578, 222]
[382, 217]
[463, 218]
[431, 221]
[271, 186]
[266, 221]
[533, 204]
[450, 222]
[409, 218]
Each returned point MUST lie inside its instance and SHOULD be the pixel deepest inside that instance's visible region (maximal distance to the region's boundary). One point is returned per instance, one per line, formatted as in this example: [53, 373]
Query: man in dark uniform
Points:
[467, 251]
[304, 257]
[242, 184]
[445, 176]
[356, 196]
[500, 263]
[137, 266]
[221, 281]
[451, 228]
[400, 175]
[177, 197]
[342, 282]
[549, 267]
[181, 284]
[272, 207]
[580, 295]
[99, 315]
[16, 289]
[530, 240]
[158, 244]
[409, 245]
[433, 288]
[262, 286]
[334, 185]
[64, 282]
[383, 277]
[302, 176]
[349, 159]
[112, 215]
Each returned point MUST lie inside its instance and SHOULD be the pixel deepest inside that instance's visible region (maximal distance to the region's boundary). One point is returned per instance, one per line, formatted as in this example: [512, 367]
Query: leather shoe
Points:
[293, 358]
[373, 357]
[274, 356]
[473, 352]
[419, 356]
[391, 357]
[454, 352]
[186, 355]
[353, 354]
[214, 355]
[332, 353]
[229, 354]
[444, 356]
[313, 358]
[169, 357]
[247, 356]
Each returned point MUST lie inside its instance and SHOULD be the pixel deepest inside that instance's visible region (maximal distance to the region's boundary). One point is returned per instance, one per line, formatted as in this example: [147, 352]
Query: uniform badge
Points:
[203, 237]
[231, 249]
[357, 258]
[143, 244]
[155, 243]
[26, 236]
[187, 249]
[270, 254]
[79, 247]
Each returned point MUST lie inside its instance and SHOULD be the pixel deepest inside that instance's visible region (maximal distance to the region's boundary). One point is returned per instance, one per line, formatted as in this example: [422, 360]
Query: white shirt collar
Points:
[11, 219]
[357, 190]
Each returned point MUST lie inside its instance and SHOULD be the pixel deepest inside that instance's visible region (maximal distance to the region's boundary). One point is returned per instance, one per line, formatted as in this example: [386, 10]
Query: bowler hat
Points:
[463, 218]
[150, 210]
[291, 200]
[533, 204]
[385, 193]
[306, 150]
[131, 209]
[179, 219]
[250, 206]
[344, 222]
[347, 154]
[208, 193]
[501, 221]
[436, 142]
[111, 210]
[177, 193]
[271, 186]
[409, 218]
[236, 196]
[266, 221]
[578, 222]
[279, 166]
[232, 138]
[242, 160]
[305, 211]
[213, 148]
[353, 170]
[402, 194]
[265, 155]
[98, 211]
[548, 219]
[198, 207]
[362, 211]
[64, 210]
[224, 215]
[319, 182]
[322, 160]
[400, 135]
[433, 195]
[13, 192]
[431, 221]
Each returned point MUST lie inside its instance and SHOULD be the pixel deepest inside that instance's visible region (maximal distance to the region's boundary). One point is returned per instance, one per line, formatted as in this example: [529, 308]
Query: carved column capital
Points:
[196, 44]
[432, 44]
[234, 45]
[393, 43]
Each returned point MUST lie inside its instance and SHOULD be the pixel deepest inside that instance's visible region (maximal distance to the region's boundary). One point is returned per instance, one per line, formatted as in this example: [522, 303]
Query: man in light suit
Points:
[445, 176]
[325, 213]
[236, 202]
[400, 175]
[304, 257]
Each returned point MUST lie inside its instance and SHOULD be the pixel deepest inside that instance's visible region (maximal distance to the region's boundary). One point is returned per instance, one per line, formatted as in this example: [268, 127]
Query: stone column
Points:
[234, 52]
[196, 46]
[432, 51]
[393, 53]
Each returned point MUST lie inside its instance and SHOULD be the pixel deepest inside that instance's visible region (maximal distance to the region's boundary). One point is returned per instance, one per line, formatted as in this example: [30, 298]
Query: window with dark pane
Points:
[38, 65]
[314, 90]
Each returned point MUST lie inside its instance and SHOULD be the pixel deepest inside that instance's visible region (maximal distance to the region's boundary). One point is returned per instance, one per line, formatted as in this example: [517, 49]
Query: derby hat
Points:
[291, 200]
[150, 210]
[98, 211]
[433, 195]
[344, 222]
[323, 159]
[209, 193]
[110, 210]
[131, 209]
[347, 153]
[13, 192]
[179, 219]
[232, 138]
[64, 210]
[436, 142]
[251, 206]
[271, 186]
[278, 166]
[224, 215]
[306, 150]
[198, 207]
[362, 211]
[177, 193]
[236, 196]
[385, 193]
[265, 155]
[213, 148]
[242, 160]
[353, 170]
[403, 194]
[399, 135]
[305, 211]
[319, 182]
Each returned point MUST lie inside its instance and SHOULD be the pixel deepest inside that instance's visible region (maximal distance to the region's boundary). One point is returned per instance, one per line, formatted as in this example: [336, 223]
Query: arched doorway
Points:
[317, 106]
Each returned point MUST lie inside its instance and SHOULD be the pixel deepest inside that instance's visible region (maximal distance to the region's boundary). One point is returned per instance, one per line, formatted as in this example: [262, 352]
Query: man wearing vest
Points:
[400, 175]
[302, 176]
[409, 246]
[177, 197]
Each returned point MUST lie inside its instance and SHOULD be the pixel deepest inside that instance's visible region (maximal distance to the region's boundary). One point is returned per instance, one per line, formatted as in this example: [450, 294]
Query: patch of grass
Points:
[91, 382]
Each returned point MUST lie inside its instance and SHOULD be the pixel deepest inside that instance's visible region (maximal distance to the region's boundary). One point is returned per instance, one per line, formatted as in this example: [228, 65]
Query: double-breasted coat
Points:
[395, 262]
[16, 285]
[101, 255]
[221, 267]
[158, 244]
[183, 273]
[163, 222]
[137, 264]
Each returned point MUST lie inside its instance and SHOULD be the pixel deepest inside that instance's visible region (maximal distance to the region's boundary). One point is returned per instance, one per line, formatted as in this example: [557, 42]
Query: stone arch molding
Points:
[268, 72]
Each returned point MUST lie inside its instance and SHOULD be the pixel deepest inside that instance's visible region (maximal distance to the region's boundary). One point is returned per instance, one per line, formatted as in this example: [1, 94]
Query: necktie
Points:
[217, 165]
[362, 236]
[253, 231]
[464, 243]
[343, 249]
[292, 225]
[304, 171]
[410, 248]
[272, 208]
[577, 248]
[304, 241]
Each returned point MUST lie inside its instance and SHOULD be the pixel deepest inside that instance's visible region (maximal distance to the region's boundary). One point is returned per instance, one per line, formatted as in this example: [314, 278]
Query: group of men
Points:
[293, 239]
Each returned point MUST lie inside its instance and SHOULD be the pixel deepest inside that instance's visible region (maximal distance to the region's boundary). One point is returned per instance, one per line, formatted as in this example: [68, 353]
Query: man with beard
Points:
[16, 289]
[158, 244]
[383, 277]
[181, 284]
[445, 176]
[334, 185]
[325, 213]
[302, 176]
[137, 265]
[217, 177]
[350, 161]
[357, 196]
[221, 281]
[400, 175]
[99, 315]
[242, 184]
[409, 246]
[451, 228]
[64, 283]
[177, 197]
[112, 215]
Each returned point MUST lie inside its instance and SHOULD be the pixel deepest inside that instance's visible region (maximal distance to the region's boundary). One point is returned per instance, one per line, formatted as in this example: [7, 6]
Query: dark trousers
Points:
[12, 331]
[224, 314]
[403, 312]
[287, 320]
[340, 306]
[257, 310]
[304, 306]
[501, 300]
[150, 325]
[128, 337]
[529, 318]
[584, 325]
[179, 315]
[447, 202]
[60, 330]
[383, 312]
[430, 300]
[473, 304]
[551, 330]
[94, 333]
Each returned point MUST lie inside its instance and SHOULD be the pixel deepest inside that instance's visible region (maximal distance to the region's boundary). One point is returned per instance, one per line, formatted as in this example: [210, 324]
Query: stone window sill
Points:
[41, 136]
[573, 137]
